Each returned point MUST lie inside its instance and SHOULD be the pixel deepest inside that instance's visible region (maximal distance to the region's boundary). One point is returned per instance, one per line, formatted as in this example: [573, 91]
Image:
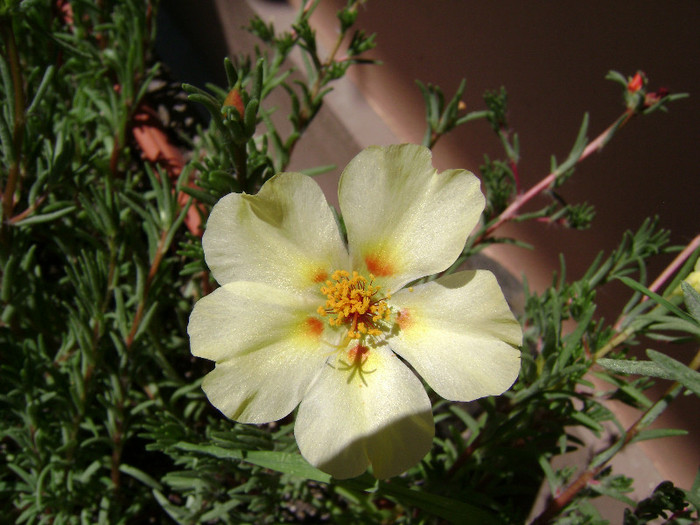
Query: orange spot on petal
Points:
[403, 318]
[314, 326]
[378, 267]
[358, 353]
[320, 276]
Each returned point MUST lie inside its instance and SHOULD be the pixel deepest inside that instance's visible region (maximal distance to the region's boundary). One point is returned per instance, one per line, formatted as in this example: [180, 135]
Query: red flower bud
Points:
[636, 82]
[234, 99]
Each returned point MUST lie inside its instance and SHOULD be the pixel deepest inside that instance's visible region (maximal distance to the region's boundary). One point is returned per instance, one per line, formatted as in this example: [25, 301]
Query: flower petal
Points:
[459, 335]
[404, 220]
[285, 235]
[267, 347]
[367, 408]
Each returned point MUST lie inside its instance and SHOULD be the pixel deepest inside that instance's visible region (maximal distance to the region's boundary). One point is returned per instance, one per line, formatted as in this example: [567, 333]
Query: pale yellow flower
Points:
[693, 278]
[304, 319]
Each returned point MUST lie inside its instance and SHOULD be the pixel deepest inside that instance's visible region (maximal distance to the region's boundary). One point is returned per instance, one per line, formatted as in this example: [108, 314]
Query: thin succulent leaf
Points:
[668, 323]
[41, 90]
[449, 114]
[658, 433]
[145, 320]
[643, 368]
[8, 92]
[426, 98]
[9, 276]
[141, 476]
[471, 423]
[5, 138]
[615, 76]
[588, 422]
[209, 102]
[250, 118]
[550, 475]
[661, 104]
[285, 462]
[686, 376]
[472, 115]
[45, 217]
[175, 512]
[612, 493]
[577, 149]
[257, 81]
[637, 395]
[200, 195]
[659, 407]
[231, 73]
[656, 297]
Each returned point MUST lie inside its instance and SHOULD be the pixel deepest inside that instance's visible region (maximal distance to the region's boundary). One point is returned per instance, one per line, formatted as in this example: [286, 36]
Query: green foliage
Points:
[443, 118]
[103, 416]
[233, 142]
[499, 186]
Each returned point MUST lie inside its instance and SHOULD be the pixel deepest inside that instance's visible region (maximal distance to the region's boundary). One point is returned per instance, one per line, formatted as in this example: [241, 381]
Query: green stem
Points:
[617, 340]
[155, 264]
[240, 162]
[121, 430]
[8, 36]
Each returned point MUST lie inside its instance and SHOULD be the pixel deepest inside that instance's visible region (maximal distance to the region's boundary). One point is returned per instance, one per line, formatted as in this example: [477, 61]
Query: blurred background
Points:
[552, 58]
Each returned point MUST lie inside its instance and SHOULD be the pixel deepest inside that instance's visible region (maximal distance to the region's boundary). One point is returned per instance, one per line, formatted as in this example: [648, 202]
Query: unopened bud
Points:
[234, 99]
[636, 82]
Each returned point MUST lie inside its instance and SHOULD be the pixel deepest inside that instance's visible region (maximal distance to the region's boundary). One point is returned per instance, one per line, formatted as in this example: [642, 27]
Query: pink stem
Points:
[673, 267]
[596, 145]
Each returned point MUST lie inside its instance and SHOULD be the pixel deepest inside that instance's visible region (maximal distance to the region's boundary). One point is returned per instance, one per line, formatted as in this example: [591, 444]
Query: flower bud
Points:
[636, 82]
[234, 99]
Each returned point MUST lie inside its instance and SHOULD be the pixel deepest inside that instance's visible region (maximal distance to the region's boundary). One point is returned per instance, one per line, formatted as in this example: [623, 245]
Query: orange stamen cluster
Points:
[351, 300]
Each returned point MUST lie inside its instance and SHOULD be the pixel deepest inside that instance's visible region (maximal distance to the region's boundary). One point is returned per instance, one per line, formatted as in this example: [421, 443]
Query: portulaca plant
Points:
[345, 337]
[305, 318]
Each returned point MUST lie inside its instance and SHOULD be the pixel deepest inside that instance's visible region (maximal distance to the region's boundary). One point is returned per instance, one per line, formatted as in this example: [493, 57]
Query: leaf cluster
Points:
[240, 155]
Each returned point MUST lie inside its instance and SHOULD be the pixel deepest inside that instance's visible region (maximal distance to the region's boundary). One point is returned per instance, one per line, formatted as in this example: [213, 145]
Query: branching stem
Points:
[558, 504]
[596, 145]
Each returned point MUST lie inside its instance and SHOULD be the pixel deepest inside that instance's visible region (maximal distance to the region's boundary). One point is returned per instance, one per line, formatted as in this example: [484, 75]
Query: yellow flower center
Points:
[351, 300]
